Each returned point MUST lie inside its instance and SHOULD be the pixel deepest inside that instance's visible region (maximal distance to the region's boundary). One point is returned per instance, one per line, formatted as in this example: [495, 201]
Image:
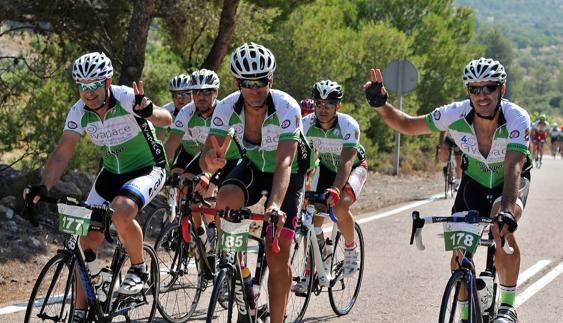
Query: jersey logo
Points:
[437, 115]
[515, 134]
[285, 124]
[467, 141]
[179, 124]
[347, 136]
[217, 121]
[91, 128]
[72, 125]
[336, 132]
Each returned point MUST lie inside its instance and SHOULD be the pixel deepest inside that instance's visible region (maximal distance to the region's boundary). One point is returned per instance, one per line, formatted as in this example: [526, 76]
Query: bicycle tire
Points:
[140, 307]
[222, 295]
[154, 225]
[339, 283]
[301, 251]
[451, 178]
[43, 299]
[448, 308]
[180, 287]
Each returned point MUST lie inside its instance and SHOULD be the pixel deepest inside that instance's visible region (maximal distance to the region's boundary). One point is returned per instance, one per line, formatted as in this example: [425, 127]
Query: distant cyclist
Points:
[540, 131]
[556, 138]
[181, 95]
[119, 121]
[343, 168]
[493, 134]
[445, 144]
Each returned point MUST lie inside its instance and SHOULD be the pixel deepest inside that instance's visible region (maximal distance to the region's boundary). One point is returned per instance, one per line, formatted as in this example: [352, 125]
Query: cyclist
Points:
[343, 169]
[119, 120]
[190, 128]
[555, 136]
[181, 95]
[540, 131]
[307, 107]
[445, 143]
[493, 135]
[267, 124]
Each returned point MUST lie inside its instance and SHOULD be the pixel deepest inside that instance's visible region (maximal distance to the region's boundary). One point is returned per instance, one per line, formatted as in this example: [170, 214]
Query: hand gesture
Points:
[375, 92]
[142, 106]
[215, 157]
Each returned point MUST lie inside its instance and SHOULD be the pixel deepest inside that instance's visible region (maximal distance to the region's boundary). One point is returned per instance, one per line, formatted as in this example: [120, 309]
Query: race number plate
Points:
[462, 236]
[234, 236]
[74, 219]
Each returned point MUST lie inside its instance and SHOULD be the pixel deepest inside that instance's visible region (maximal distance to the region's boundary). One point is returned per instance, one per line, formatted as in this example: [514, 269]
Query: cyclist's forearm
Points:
[54, 169]
[512, 171]
[280, 184]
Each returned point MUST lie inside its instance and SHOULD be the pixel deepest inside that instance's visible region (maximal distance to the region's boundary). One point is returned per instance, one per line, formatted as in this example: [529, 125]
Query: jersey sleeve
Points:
[180, 124]
[125, 96]
[220, 119]
[74, 119]
[518, 126]
[290, 120]
[350, 133]
[442, 117]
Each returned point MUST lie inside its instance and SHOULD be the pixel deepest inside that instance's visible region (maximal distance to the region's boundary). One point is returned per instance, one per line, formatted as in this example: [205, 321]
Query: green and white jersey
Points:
[127, 141]
[282, 122]
[345, 133]
[512, 133]
[171, 108]
[194, 130]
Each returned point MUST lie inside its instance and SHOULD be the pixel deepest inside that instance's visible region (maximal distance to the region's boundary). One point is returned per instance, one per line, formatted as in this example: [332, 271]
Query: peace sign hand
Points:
[375, 92]
[142, 106]
[215, 157]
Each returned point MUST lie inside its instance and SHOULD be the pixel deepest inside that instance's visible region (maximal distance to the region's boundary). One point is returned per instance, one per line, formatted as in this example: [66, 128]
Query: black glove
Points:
[147, 110]
[374, 96]
[32, 191]
[506, 218]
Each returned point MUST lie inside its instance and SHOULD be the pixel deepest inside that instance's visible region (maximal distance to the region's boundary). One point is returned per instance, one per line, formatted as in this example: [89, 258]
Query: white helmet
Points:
[204, 79]
[252, 61]
[179, 83]
[92, 67]
[484, 69]
[327, 90]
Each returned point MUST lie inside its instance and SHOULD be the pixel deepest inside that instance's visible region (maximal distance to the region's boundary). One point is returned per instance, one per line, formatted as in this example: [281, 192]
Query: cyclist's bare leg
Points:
[457, 257]
[89, 242]
[124, 213]
[230, 196]
[508, 266]
[540, 145]
[345, 218]
[279, 280]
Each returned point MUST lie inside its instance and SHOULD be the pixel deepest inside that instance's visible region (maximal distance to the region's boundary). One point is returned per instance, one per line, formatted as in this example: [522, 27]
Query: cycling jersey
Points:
[539, 136]
[282, 123]
[512, 133]
[127, 141]
[345, 133]
[555, 134]
[171, 108]
[194, 130]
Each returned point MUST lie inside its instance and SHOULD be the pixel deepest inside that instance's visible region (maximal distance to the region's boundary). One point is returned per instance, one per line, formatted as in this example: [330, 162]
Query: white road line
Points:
[400, 209]
[536, 268]
[538, 285]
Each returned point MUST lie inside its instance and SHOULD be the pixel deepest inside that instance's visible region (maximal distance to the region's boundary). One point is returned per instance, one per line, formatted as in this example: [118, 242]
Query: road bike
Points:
[231, 301]
[54, 293]
[325, 268]
[464, 231]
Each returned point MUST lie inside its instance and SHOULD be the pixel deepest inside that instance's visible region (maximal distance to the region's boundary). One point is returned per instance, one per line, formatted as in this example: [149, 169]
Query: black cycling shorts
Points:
[182, 159]
[474, 196]
[219, 176]
[252, 181]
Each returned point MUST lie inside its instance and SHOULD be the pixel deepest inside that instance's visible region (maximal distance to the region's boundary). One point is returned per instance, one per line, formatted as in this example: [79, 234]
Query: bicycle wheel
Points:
[300, 253]
[449, 311]
[223, 293]
[140, 307]
[154, 224]
[446, 180]
[180, 280]
[451, 178]
[344, 291]
[52, 297]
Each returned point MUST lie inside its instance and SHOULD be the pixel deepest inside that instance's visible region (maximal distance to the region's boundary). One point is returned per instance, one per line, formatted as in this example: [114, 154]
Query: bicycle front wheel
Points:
[52, 297]
[301, 260]
[223, 294]
[180, 280]
[449, 309]
[155, 224]
[139, 307]
[345, 290]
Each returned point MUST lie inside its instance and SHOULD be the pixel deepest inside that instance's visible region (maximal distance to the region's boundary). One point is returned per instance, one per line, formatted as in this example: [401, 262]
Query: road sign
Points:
[400, 76]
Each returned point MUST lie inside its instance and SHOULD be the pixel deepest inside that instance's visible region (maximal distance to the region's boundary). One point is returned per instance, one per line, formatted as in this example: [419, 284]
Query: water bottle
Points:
[485, 290]
[172, 196]
[327, 254]
[100, 277]
[103, 288]
[308, 215]
[248, 289]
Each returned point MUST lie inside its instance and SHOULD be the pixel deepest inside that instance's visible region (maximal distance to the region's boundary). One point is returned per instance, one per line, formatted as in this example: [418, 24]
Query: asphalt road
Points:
[403, 284]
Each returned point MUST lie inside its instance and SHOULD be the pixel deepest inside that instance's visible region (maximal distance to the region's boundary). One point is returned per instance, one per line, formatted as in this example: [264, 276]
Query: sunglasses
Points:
[486, 89]
[204, 92]
[181, 95]
[259, 83]
[326, 104]
[91, 86]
